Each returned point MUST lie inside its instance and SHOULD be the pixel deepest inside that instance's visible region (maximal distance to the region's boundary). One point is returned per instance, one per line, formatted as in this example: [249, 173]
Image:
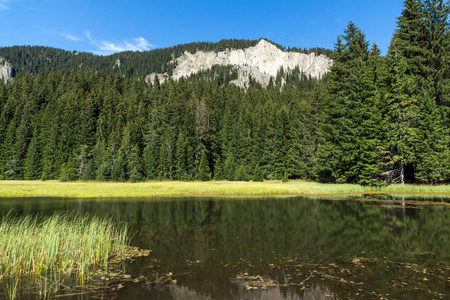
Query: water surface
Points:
[289, 248]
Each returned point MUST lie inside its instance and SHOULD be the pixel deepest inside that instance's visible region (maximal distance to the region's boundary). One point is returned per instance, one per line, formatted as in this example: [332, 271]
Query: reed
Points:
[61, 244]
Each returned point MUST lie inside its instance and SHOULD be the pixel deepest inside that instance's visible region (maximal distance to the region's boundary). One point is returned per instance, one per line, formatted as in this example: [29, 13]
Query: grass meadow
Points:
[201, 189]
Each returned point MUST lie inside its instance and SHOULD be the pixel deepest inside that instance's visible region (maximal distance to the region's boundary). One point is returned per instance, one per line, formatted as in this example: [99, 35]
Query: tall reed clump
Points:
[63, 244]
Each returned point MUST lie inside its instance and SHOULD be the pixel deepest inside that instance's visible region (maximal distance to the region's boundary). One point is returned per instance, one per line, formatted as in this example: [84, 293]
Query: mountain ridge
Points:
[260, 62]
[168, 62]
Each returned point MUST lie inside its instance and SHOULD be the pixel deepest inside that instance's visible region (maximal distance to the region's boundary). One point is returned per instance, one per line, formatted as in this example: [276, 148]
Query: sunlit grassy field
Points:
[200, 189]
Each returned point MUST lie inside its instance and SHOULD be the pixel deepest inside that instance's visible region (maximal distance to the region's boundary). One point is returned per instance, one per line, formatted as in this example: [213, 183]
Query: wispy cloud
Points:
[71, 37]
[4, 4]
[107, 47]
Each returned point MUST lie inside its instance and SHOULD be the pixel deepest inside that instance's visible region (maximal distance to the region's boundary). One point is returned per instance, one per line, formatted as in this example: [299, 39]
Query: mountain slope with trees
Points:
[374, 120]
[36, 59]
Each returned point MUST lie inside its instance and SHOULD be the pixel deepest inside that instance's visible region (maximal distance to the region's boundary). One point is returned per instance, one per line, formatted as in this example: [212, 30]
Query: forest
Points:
[374, 120]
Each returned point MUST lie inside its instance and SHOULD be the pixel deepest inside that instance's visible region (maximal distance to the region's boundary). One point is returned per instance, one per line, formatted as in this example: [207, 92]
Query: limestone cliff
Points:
[260, 62]
[6, 71]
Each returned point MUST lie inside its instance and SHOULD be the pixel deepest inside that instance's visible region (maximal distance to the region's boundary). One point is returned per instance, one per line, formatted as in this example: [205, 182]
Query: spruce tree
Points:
[402, 111]
[418, 79]
[338, 152]
[258, 174]
[204, 173]
[370, 133]
[283, 145]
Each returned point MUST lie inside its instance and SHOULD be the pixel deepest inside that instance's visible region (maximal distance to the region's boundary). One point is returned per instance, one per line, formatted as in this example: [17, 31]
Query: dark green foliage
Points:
[66, 173]
[416, 105]
[258, 174]
[203, 169]
[89, 126]
[219, 171]
[283, 144]
[338, 154]
[385, 120]
[241, 174]
[373, 120]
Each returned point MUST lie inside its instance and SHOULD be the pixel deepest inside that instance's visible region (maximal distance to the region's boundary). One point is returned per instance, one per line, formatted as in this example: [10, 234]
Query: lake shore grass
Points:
[81, 189]
[60, 244]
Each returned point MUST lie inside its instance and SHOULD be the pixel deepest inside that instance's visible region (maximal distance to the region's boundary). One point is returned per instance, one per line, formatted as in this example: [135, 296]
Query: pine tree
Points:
[241, 174]
[82, 161]
[204, 173]
[283, 144]
[219, 169]
[338, 152]
[402, 112]
[134, 165]
[153, 145]
[258, 174]
[118, 168]
[420, 52]
[371, 135]
[433, 155]
[31, 164]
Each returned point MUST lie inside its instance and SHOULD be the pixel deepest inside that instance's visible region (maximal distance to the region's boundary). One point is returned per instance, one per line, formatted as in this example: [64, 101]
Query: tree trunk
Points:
[402, 173]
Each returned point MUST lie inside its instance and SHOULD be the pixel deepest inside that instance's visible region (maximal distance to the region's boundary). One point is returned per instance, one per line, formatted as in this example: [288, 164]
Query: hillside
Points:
[177, 61]
[260, 62]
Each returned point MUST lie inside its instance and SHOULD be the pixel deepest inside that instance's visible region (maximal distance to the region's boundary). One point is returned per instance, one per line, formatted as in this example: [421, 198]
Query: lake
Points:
[272, 248]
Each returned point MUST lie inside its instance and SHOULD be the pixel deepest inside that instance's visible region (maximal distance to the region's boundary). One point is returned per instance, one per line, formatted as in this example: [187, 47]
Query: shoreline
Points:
[225, 189]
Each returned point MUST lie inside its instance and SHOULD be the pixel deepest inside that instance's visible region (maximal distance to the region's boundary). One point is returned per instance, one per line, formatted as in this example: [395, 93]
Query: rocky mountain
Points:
[6, 71]
[260, 62]
[240, 62]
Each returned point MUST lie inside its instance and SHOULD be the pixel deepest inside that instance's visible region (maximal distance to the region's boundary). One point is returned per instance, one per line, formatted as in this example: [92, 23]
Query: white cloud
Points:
[4, 4]
[107, 47]
[71, 37]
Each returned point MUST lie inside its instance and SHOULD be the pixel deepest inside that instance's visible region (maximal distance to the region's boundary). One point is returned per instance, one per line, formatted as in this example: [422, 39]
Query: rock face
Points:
[260, 62]
[6, 71]
[151, 78]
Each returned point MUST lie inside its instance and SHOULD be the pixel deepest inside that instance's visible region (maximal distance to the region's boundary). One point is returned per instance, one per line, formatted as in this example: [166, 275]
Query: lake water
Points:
[288, 248]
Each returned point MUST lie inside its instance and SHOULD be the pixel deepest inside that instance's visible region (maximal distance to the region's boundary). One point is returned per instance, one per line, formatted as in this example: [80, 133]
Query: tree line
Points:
[373, 120]
[88, 125]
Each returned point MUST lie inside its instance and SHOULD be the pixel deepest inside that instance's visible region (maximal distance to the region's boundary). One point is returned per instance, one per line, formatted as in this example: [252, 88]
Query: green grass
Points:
[61, 244]
[200, 189]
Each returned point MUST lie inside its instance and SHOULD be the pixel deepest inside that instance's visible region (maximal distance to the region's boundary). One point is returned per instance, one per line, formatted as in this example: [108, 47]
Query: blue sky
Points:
[108, 26]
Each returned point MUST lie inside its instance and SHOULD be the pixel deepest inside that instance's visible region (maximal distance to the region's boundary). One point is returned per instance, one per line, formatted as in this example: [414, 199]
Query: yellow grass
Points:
[198, 189]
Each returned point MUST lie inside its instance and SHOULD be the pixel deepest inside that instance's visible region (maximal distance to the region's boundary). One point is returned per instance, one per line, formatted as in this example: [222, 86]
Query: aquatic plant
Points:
[60, 244]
